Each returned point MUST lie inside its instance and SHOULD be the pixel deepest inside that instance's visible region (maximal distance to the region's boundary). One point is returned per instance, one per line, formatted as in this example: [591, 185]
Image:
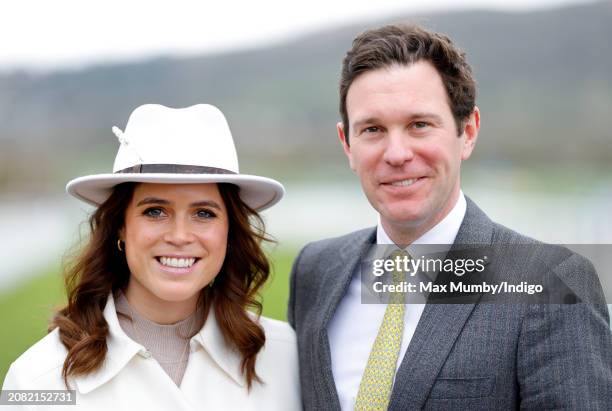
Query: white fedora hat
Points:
[177, 146]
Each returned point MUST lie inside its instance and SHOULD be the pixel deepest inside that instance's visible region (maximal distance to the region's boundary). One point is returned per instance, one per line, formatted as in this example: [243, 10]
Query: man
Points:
[409, 119]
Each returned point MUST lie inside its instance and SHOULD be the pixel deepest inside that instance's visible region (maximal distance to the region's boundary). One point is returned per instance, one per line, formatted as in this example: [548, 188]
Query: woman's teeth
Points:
[177, 262]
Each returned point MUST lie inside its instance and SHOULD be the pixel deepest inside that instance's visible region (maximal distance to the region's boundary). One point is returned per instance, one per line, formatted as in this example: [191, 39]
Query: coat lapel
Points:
[120, 350]
[338, 275]
[439, 326]
[336, 280]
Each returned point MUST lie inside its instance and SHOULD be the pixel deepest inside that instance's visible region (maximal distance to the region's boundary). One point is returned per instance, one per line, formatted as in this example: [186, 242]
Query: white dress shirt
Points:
[354, 326]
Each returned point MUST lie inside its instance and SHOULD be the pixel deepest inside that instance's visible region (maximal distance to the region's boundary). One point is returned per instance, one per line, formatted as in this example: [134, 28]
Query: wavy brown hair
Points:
[100, 268]
[404, 45]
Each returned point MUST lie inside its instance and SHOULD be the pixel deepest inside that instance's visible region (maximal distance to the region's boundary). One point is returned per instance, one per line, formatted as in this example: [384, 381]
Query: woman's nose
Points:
[179, 233]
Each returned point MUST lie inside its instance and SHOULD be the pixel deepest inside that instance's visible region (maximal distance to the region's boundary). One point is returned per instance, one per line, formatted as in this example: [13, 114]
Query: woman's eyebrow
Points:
[152, 200]
[206, 203]
[161, 201]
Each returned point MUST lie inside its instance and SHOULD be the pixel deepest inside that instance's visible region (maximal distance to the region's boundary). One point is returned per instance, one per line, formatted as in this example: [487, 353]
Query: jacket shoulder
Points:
[40, 363]
[505, 235]
[559, 254]
[555, 255]
[575, 270]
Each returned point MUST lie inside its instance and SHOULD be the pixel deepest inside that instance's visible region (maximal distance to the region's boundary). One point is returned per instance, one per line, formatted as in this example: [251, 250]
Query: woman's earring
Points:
[119, 245]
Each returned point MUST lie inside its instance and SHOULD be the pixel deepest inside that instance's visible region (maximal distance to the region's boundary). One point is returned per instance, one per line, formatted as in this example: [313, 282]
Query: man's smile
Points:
[402, 184]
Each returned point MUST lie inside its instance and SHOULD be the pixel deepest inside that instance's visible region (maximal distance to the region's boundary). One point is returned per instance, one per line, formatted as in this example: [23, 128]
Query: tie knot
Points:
[399, 253]
[401, 261]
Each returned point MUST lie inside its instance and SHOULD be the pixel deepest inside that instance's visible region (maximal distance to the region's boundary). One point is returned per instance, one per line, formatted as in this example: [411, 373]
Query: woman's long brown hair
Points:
[101, 268]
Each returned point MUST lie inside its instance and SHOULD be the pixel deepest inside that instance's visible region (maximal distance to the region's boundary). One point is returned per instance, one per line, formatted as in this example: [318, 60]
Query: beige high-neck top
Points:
[168, 344]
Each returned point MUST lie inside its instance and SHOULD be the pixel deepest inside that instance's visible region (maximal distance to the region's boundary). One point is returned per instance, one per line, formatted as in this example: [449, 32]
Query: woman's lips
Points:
[177, 265]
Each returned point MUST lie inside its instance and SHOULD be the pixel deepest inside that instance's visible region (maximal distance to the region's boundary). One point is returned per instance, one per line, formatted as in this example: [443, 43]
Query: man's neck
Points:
[406, 234]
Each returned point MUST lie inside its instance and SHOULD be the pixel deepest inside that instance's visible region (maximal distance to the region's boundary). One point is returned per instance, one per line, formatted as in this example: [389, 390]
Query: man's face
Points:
[404, 146]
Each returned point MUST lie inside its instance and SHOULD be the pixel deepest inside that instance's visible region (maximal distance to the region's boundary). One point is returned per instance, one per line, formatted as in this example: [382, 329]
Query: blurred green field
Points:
[26, 310]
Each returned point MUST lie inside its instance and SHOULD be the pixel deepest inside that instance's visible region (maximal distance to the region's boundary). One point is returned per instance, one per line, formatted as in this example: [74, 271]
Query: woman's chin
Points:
[177, 294]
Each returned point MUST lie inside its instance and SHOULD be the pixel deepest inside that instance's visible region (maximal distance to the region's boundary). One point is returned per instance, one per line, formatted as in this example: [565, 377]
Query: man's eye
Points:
[154, 212]
[420, 124]
[371, 129]
[205, 214]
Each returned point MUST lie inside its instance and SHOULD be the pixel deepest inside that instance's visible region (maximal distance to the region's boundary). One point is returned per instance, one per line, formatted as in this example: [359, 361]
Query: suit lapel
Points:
[339, 274]
[439, 326]
[336, 280]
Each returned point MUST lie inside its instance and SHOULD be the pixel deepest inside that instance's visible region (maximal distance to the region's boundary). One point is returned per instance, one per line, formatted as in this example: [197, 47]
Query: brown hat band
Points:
[174, 169]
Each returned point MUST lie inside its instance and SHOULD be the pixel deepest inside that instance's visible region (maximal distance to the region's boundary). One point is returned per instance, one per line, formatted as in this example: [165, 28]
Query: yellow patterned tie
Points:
[377, 380]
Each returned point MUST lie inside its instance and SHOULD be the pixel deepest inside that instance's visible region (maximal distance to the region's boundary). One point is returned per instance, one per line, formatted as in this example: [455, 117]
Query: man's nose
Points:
[398, 149]
[179, 232]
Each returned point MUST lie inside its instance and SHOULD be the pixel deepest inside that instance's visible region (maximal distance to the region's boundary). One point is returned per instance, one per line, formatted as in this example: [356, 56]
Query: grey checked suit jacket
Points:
[466, 356]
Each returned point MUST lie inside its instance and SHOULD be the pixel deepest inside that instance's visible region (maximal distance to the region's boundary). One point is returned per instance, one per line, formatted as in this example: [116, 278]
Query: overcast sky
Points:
[39, 34]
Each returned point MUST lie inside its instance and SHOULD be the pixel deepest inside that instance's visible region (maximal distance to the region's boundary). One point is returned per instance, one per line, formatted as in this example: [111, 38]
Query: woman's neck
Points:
[156, 309]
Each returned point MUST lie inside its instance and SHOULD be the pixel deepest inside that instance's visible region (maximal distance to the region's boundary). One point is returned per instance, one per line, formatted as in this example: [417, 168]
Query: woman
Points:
[156, 316]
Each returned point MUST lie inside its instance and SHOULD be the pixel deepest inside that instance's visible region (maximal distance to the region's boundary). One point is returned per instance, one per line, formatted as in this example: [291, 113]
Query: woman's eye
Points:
[205, 214]
[154, 212]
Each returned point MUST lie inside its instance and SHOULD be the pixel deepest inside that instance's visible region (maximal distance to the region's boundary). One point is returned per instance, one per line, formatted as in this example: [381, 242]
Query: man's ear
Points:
[345, 144]
[470, 134]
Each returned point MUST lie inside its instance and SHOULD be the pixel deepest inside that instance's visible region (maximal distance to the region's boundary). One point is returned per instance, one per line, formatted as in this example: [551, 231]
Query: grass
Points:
[26, 310]
[25, 313]
[275, 293]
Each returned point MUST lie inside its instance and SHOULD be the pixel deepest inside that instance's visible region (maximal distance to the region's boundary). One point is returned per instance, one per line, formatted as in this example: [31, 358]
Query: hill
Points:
[545, 94]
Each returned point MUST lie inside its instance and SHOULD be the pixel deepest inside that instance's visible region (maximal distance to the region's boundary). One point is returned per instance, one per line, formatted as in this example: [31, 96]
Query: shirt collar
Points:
[121, 349]
[438, 240]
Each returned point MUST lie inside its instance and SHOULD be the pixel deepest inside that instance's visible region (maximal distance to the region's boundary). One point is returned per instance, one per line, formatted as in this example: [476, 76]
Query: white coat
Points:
[131, 379]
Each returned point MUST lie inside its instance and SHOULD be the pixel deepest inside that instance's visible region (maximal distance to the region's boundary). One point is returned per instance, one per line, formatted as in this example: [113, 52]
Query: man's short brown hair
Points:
[405, 45]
